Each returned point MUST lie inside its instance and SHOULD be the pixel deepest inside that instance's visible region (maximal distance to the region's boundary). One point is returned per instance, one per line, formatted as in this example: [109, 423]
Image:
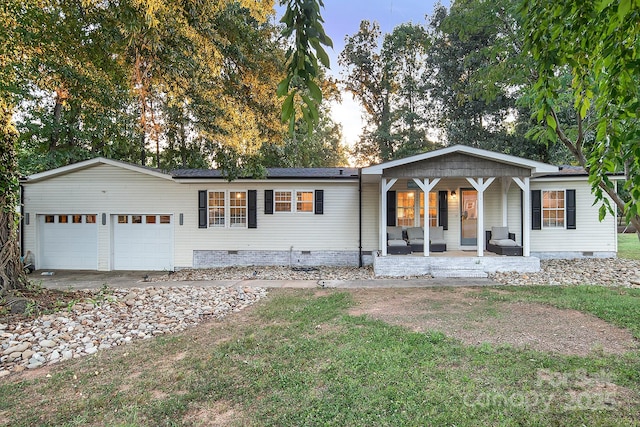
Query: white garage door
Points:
[142, 242]
[68, 242]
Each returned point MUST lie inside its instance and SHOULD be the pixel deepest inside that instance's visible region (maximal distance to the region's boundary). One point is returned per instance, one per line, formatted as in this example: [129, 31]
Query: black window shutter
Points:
[319, 202]
[571, 209]
[202, 209]
[536, 210]
[268, 202]
[252, 209]
[443, 209]
[391, 208]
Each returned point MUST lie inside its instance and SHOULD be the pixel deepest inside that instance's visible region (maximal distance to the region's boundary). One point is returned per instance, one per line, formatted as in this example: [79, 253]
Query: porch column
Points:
[506, 183]
[384, 187]
[480, 185]
[526, 218]
[426, 186]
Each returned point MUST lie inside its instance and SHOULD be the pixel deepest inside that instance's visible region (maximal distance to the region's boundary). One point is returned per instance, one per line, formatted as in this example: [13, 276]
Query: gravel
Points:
[116, 317]
[589, 271]
[586, 271]
[269, 273]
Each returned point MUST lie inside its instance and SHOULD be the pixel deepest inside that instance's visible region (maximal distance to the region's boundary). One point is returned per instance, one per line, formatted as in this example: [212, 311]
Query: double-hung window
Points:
[553, 209]
[304, 201]
[237, 208]
[217, 209]
[227, 208]
[283, 201]
[408, 207]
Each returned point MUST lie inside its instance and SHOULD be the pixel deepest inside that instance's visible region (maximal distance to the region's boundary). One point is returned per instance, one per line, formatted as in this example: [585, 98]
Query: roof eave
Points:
[90, 163]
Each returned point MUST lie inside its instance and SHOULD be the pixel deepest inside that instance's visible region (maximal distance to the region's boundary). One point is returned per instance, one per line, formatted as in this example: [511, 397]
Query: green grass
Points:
[628, 246]
[300, 359]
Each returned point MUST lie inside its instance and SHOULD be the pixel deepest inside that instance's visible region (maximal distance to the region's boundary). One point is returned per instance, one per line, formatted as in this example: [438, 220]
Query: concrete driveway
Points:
[75, 279]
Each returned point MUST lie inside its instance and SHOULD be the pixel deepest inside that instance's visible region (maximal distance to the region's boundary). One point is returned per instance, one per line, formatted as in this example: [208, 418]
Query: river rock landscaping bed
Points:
[269, 273]
[586, 271]
[113, 317]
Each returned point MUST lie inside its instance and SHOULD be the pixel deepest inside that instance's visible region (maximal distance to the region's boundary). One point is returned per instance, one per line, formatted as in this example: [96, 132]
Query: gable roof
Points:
[273, 173]
[91, 163]
[537, 168]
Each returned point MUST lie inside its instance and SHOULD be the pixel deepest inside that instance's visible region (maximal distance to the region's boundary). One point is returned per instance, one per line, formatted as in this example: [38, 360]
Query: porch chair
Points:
[437, 243]
[415, 235]
[396, 245]
[501, 242]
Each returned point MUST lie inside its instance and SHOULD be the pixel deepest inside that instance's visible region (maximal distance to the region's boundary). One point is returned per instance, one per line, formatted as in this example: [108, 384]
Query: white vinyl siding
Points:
[590, 234]
[110, 190]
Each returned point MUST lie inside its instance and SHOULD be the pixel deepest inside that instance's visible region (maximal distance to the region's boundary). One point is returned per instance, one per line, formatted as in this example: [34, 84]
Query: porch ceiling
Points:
[455, 165]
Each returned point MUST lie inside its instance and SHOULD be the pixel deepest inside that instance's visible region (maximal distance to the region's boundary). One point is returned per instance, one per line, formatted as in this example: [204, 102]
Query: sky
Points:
[342, 18]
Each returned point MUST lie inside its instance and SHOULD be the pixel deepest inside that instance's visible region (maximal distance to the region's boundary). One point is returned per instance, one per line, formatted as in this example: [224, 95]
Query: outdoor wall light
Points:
[453, 194]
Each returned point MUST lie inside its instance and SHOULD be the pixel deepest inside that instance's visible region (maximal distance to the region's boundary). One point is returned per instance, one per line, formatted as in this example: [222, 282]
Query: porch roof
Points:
[446, 162]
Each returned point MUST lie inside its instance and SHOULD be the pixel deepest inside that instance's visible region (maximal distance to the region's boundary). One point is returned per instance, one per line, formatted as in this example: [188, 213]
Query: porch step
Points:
[459, 272]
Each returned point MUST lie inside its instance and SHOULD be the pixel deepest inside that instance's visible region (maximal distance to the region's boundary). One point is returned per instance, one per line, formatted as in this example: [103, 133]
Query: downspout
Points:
[21, 226]
[360, 217]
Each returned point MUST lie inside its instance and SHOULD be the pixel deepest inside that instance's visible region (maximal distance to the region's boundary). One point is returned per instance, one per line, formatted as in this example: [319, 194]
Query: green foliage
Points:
[123, 79]
[303, 21]
[479, 77]
[596, 45]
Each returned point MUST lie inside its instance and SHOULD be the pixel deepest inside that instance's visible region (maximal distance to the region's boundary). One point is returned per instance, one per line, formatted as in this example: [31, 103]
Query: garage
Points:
[142, 242]
[67, 242]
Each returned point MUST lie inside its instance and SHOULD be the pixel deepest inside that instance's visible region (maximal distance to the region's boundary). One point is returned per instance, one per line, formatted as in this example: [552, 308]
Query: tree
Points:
[322, 148]
[597, 45]
[12, 56]
[387, 80]
[478, 79]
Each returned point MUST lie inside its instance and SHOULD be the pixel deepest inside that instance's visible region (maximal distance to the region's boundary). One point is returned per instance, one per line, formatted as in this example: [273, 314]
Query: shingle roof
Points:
[274, 173]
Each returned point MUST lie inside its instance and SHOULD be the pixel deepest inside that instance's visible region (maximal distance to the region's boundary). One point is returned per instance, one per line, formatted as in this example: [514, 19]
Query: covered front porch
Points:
[458, 200]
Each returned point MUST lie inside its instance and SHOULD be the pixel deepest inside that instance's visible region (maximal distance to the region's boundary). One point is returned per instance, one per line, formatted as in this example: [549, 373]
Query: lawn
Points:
[299, 358]
[628, 246]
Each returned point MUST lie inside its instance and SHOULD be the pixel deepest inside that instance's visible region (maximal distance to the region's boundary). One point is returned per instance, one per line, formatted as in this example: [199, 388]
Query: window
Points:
[406, 208]
[63, 219]
[237, 208]
[90, 219]
[216, 209]
[123, 219]
[76, 219]
[136, 219]
[282, 201]
[49, 219]
[433, 209]
[151, 219]
[304, 201]
[165, 219]
[553, 209]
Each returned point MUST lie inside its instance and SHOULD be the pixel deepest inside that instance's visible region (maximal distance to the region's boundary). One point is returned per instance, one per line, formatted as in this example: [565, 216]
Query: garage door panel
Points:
[145, 245]
[72, 246]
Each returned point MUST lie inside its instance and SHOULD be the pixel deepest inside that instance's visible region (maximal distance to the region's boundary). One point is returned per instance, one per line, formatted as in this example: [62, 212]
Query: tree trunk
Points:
[61, 96]
[12, 275]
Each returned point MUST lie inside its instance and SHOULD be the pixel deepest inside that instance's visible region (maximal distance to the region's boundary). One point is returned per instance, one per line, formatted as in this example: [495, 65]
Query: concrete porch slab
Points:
[400, 265]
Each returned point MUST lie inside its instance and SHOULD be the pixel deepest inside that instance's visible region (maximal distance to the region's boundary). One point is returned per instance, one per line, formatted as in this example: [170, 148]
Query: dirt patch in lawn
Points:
[459, 313]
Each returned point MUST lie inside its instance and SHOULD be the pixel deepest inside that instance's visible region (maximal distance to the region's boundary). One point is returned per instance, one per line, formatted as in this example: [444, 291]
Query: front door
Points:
[469, 217]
